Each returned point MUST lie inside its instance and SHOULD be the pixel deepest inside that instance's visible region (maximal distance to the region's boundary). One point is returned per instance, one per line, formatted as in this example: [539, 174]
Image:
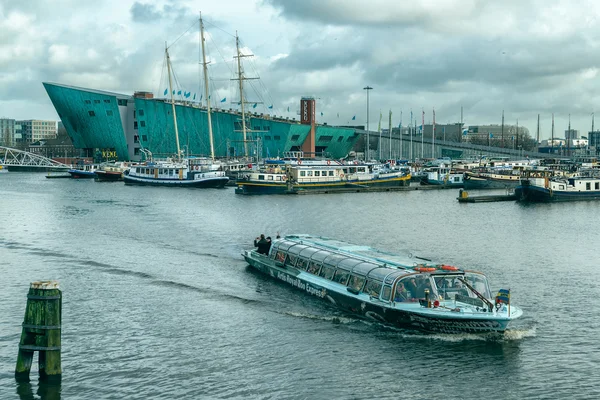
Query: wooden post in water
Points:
[41, 332]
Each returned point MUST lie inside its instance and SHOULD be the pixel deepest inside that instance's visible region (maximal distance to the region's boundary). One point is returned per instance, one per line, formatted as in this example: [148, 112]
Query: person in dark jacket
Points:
[262, 244]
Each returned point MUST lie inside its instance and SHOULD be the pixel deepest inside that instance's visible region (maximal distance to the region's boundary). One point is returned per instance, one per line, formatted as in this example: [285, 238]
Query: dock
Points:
[464, 197]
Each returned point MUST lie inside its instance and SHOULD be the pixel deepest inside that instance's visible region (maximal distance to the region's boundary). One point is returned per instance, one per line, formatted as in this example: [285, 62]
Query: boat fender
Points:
[283, 178]
[328, 162]
[197, 168]
[342, 175]
[299, 162]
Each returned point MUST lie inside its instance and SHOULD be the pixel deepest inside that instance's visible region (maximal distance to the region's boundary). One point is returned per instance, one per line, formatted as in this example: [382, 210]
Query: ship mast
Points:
[205, 69]
[173, 102]
[242, 102]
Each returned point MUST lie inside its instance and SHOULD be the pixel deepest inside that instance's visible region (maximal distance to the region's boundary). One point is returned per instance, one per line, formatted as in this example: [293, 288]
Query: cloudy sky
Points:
[523, 57]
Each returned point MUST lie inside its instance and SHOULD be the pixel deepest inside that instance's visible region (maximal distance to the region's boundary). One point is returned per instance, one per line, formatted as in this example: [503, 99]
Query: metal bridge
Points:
[22, 160]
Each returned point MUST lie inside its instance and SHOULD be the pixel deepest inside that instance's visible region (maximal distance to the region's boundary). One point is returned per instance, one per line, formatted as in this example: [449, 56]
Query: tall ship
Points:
[386, 287]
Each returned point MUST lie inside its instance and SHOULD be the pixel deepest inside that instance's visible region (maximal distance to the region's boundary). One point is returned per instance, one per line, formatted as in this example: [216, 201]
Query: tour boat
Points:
[391, 288]
[329, 176]
[545, 186]
[191, 172]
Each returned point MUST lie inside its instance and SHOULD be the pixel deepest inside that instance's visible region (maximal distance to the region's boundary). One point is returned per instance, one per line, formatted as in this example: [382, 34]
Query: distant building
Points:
[34, 130]
[594, 138]
[571, 134]
[506, 133]
[10, 132]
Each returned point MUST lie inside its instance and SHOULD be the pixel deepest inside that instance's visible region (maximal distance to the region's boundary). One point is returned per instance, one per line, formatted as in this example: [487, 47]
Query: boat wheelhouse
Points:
[387, 287]
[85, 171]
[443, 175]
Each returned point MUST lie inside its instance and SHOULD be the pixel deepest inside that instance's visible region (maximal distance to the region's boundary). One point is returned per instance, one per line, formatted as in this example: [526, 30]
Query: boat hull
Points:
[252, 187]
[216, 182]
[418, 317]
[108, 176]
[477, 183]
[535, 194]
[79, 174]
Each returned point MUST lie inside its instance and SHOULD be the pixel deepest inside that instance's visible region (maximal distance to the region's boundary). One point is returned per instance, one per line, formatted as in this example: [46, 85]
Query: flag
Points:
[255, 104]
[179, 93]
[166, 91]
[173, 92]
[503, 296]
[354, 118]
[201, 97]
[288, 108]
[465, 131]
[224, 99]
[338, 115]
[271, 106]
[321, 113]
[194, 98]
[187, 95]
[491, 135]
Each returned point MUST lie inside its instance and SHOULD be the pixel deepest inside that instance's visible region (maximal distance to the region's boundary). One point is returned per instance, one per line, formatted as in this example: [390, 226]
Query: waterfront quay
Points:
[157, 301]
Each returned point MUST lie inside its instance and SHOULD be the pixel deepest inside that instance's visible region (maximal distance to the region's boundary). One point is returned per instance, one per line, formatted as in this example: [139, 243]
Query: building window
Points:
[141, 113]
[144, 138]
[122, 102]
[340, 138]
[326, 138]
[143, 124]
[96, 101]
[109, 112]
[136, 138]
[91, 113]
[295, 137]
[267, 137]
[88, 102]
[276, 137]
[136, 151]
[237, 125]
[107, 101]
[135, 125]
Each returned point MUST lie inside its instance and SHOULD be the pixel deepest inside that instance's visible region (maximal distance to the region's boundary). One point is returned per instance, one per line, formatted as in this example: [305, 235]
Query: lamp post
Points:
[367, 147]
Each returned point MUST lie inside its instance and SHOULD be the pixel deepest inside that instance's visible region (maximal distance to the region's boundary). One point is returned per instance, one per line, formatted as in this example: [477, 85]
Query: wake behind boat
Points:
[387, 287]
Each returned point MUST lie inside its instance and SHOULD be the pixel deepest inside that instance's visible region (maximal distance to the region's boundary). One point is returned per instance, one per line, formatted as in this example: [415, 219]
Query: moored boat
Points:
[386, 287]
[86, 171]
[442, 175]
[111, 172]
[544, 186]
[200, 173]
[327, 177]
[492, 178]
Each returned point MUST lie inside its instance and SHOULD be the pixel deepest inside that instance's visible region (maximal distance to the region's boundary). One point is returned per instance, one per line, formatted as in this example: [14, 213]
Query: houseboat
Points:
[492, 178]
[442, 175]
[390, 288]
[546, 186]
[330, 176]
[190, 172]
[111, 172]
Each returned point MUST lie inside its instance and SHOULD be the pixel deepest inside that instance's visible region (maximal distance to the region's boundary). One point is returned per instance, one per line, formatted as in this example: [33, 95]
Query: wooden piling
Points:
[41, 332]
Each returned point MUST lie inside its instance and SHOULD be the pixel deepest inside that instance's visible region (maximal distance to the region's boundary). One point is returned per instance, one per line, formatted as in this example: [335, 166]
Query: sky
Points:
[523, 57]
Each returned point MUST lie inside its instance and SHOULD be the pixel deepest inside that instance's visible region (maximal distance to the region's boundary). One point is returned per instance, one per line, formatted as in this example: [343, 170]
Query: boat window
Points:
[597, 185]
[170, 172]
[270, 177]
[290, 260]
[302, 263]
[334, 259]
[561, 187]
[302, 173]
[331, 174]
[309, 173]
[356, 282]
[372, 288]
[386, 294]
[308, 252]
[296, 249]
[320, 256]
[348, 263]
[480, 283]
[327, 272]
[392, 276]
[341, 277]
[313, 267]
[280, 256]
[317, 173]
[588, 186]
[379, 273]
[261, 177]
[364, 268]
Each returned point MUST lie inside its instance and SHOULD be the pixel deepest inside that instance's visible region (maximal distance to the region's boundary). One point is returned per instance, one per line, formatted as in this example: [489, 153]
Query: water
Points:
[158, 302]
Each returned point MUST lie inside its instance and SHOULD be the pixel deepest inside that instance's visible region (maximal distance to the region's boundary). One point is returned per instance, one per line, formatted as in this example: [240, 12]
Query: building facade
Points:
[10, 132]
[34, 130]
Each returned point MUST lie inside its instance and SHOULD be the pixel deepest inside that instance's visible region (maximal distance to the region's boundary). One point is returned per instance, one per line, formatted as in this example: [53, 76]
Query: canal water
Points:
[158, 302]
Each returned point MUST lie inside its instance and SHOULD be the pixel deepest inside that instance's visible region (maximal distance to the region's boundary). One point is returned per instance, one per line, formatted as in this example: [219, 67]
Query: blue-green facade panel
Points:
[336, 141]
[91, 119]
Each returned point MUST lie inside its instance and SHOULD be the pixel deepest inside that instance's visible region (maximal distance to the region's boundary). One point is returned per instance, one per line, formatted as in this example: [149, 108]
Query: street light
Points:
[367, 157]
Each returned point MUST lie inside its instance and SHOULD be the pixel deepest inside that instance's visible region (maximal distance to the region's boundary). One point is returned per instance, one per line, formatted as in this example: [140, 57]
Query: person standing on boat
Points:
[268, 244]
[262, 244]
[401, 293]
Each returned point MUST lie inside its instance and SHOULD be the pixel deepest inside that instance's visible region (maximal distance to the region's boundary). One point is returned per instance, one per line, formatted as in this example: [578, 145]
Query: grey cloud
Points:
[144, 12]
